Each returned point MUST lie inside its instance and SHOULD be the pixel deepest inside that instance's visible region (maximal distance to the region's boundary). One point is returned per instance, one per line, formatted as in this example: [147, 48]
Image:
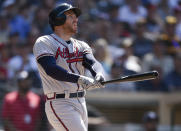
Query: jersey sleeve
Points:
[42, 47]
[86, 48]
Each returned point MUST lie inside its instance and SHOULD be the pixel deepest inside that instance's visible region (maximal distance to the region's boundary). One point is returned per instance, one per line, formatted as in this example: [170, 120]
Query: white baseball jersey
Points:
[68, 56]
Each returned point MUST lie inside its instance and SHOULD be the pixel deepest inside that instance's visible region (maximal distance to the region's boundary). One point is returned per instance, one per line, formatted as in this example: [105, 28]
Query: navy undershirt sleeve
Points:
[52, 69]
[92, 64]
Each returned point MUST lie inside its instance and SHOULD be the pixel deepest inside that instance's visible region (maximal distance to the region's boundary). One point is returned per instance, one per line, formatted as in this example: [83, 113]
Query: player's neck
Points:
[63, 35]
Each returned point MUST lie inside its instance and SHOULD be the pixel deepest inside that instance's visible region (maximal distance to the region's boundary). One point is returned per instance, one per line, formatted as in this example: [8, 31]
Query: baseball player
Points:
[62, 61]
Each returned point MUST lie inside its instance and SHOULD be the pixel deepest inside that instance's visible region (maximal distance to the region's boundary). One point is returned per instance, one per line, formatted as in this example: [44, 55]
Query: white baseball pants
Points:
[67, 114]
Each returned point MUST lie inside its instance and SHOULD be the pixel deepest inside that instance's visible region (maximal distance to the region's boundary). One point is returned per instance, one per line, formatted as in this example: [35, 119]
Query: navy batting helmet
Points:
[57, 16]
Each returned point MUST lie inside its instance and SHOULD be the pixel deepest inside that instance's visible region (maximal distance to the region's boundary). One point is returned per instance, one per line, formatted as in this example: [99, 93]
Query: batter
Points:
[61, 62]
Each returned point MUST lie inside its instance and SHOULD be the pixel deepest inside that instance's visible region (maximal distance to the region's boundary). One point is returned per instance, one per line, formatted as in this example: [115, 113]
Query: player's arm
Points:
[93, 66]
[52, 69]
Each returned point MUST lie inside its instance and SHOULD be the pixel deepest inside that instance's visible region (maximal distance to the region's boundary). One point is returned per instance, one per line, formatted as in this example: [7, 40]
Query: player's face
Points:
[71, 22]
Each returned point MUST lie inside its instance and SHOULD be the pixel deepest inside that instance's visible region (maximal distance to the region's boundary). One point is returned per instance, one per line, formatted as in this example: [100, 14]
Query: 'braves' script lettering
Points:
[64, 53]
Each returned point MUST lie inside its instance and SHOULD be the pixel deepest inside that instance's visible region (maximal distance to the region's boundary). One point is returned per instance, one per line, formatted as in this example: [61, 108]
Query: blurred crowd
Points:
[127, 37]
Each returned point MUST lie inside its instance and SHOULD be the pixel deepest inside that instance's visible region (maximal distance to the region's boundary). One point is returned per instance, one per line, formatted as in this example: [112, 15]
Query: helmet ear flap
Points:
[60, 19]
[56, 20]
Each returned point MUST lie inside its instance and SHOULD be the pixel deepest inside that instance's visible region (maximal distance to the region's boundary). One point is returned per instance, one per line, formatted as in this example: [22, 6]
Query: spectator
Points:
[21, 108]
[173, 79]
[113, 12]
[141, 45]
[150, 121]
[120, 30]
[173, 3]
[24, 60]
[164, 9]
[19, 23]
[132, 12]
[154, 23]
[9, 8]
[129, 60]
[103, 56]
[169, 37]
[158, 58]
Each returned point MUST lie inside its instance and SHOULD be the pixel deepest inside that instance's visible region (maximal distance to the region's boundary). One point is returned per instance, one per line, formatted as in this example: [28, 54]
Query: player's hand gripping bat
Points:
[133, 78]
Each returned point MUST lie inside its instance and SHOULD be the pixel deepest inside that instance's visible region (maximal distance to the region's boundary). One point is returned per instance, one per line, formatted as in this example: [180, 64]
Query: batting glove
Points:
[87, 82]
[99, 78]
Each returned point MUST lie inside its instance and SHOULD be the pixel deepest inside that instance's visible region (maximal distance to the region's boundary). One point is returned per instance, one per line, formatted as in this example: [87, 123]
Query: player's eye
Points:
[71, 16]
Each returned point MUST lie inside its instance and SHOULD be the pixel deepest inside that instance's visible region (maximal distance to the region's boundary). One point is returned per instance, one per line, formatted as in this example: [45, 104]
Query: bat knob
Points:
[155, 73]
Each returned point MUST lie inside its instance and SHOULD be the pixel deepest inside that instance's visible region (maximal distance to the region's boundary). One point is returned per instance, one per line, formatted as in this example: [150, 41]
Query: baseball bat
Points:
[133, 78]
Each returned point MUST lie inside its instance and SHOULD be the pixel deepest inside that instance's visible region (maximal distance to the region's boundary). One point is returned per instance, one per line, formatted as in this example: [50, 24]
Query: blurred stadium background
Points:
[127, 37]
